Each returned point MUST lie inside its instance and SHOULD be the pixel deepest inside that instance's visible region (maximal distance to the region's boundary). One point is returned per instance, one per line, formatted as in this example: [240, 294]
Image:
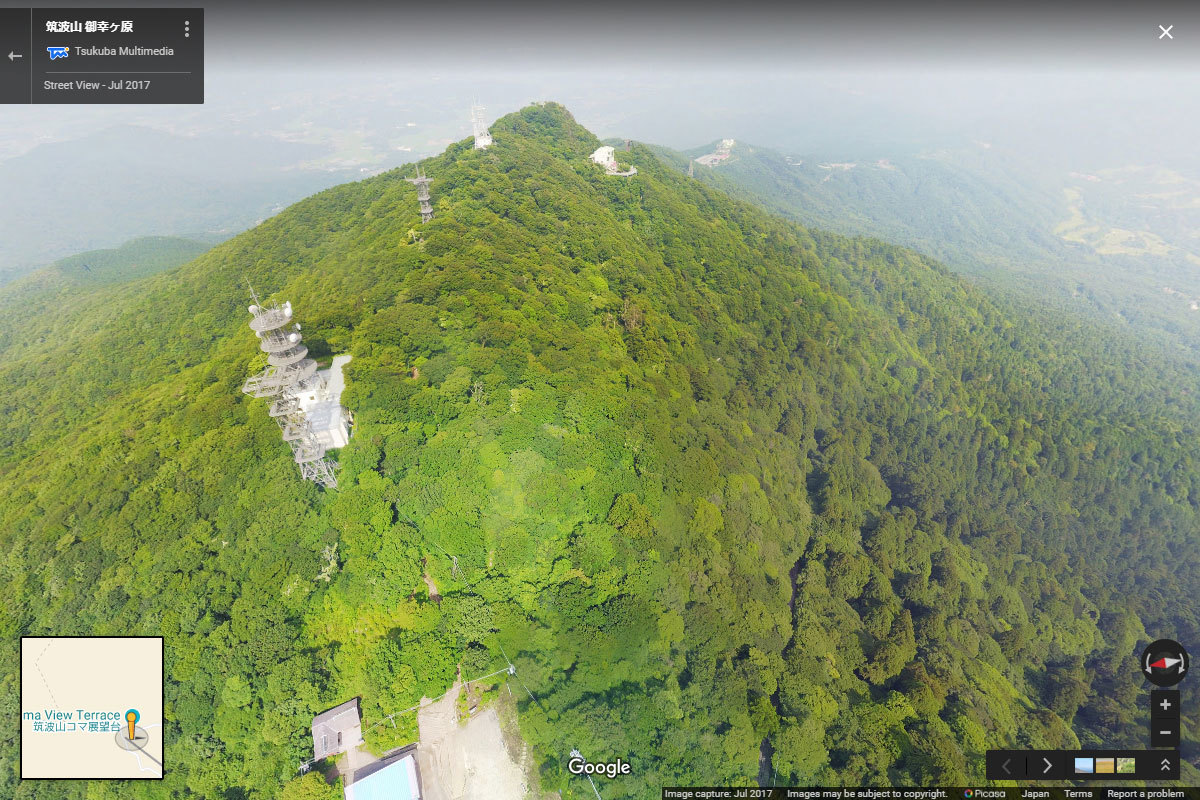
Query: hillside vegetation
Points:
[1115, 247]
[32, 306]
[718, 486]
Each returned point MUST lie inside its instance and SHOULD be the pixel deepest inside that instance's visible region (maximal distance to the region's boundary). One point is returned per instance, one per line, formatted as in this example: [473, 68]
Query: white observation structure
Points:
[308, 403]
[606, 157]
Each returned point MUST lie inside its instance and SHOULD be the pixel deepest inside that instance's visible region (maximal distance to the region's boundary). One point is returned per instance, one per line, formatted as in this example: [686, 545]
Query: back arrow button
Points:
[14, 56]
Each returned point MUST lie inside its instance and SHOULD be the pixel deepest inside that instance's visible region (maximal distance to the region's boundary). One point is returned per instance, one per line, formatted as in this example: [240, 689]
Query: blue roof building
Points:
[392, 778]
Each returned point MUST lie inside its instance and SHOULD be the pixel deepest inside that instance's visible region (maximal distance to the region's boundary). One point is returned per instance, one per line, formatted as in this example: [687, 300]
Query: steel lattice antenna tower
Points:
[422, 184]
[483, 137]
[289, 372]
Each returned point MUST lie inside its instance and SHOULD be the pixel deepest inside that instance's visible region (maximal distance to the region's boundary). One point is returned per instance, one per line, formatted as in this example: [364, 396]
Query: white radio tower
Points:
[289, 375]
[482, 137]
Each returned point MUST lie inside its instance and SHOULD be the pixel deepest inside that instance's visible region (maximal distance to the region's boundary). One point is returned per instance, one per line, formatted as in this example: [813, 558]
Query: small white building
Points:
[321, 402]
[605, 157]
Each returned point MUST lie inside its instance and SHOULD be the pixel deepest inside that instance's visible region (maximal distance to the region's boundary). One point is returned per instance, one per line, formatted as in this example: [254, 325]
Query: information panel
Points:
[91, 707]
[102, 55]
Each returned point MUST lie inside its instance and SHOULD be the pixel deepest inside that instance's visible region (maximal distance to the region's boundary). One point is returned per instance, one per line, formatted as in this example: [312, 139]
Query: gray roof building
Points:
[336, 730]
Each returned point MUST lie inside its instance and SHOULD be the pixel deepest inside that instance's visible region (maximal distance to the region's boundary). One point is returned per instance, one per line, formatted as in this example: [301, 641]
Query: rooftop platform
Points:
[393, 777]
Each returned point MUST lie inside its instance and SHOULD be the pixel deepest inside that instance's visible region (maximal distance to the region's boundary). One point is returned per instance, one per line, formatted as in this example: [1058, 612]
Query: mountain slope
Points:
[1112, 246]
[951, 204]
[718, 486]
[47, 292]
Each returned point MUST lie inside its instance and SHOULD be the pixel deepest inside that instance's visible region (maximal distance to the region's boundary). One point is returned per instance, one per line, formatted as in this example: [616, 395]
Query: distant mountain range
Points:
[1118, 245]
[123, 182]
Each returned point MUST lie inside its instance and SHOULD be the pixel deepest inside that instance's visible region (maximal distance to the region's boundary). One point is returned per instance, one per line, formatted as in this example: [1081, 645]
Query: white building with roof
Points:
[394, 777]
[605, 156]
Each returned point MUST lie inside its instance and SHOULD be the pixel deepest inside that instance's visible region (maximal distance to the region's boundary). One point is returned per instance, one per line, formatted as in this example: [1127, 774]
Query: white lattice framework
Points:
[483, 137]
[288, 374]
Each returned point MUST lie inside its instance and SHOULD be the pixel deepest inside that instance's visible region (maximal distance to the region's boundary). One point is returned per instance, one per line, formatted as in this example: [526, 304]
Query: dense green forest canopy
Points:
[1115, 247]
[32, 307]
[719, 486]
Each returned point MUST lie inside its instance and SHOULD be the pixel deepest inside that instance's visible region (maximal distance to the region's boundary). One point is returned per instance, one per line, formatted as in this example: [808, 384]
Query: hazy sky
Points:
[379, 84]
[951, 64]
[704, 33]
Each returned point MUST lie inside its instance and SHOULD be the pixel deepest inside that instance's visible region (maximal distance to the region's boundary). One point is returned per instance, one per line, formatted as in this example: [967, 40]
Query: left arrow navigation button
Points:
[1005, 765]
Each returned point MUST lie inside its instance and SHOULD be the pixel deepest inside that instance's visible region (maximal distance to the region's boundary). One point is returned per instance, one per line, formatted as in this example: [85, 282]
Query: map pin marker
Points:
[132, 716]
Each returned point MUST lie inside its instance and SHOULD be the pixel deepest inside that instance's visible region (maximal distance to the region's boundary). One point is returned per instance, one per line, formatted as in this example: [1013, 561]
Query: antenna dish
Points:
[253, 309]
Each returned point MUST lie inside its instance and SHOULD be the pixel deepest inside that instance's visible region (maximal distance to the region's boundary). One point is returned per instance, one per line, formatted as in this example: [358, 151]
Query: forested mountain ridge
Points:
[1112, 246]
[54, 292]
[951, 204]
[709, 479]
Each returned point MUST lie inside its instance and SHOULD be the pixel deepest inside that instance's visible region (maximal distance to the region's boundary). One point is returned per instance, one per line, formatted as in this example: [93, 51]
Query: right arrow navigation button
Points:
[1047, 765]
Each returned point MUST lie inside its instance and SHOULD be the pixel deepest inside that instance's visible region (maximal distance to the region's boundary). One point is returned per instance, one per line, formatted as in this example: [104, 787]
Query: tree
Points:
[311, 786]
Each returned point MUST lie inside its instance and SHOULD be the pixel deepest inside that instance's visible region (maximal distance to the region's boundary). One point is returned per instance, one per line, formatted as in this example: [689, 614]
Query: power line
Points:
[510, 669]
[513, 671]
[575, 751]
[454, 570]
[576, 754]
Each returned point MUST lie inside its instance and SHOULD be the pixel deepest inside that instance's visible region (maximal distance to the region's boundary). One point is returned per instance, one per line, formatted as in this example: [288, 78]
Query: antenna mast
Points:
[483, 137]
[422, 184]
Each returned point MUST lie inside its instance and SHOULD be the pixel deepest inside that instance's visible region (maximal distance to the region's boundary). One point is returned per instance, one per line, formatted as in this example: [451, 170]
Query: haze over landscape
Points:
[820, 439]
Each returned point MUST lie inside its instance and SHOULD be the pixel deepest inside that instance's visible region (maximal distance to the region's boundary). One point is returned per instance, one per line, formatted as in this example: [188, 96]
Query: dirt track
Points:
[465, 762]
